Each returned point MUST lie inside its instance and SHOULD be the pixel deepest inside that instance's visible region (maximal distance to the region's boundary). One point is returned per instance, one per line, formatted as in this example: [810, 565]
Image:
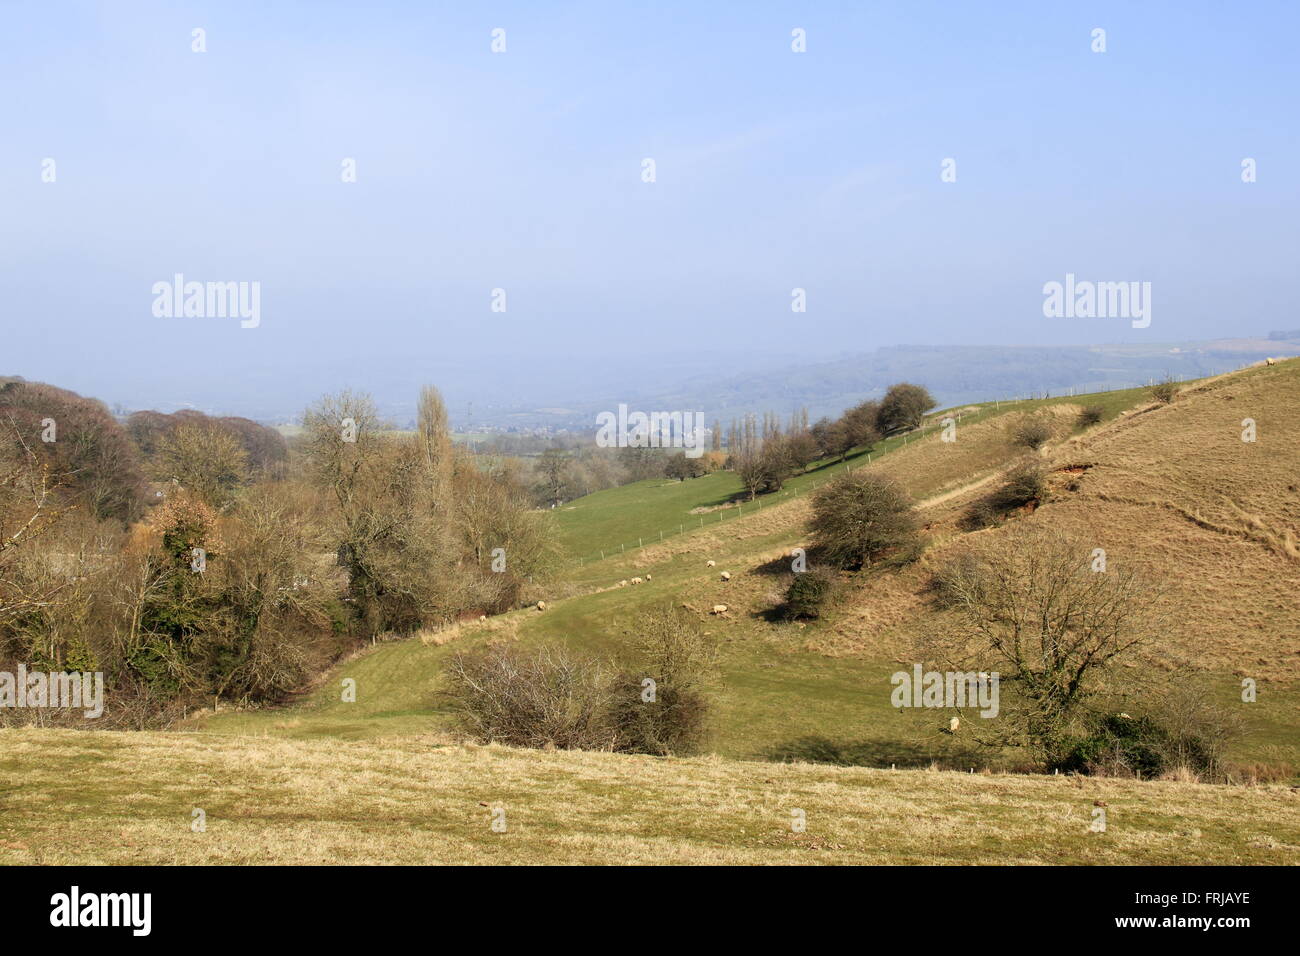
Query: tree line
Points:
[193, 558]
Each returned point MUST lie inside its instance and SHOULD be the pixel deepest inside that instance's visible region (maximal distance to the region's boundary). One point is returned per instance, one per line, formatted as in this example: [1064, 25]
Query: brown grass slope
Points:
[1171, 489]
[1174, 491]
[128, 798]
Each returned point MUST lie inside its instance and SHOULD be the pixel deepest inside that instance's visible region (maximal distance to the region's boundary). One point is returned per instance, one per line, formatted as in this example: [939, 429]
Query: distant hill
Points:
[954, 374]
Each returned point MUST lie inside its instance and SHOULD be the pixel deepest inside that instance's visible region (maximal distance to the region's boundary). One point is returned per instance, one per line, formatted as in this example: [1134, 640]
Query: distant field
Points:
[420, 801]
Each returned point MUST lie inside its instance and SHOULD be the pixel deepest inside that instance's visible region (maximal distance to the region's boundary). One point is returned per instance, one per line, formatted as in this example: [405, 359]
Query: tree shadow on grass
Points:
[815, 748]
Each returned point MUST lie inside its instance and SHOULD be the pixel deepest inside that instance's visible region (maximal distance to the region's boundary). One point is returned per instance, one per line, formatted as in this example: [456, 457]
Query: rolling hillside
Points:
[820, 690]
[1171, 488]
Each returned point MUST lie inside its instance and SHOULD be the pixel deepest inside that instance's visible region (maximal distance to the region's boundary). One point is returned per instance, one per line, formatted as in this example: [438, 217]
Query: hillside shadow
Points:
[815, 748]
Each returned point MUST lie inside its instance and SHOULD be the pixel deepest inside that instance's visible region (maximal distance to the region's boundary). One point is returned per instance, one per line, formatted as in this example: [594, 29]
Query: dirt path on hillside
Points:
[959, 491]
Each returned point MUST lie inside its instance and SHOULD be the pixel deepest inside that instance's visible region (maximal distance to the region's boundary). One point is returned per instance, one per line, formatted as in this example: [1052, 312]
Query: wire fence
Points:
[724, 512]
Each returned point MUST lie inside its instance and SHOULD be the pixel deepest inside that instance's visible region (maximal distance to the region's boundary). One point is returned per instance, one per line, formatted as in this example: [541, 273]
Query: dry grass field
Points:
[127, 798]
[1173, 490]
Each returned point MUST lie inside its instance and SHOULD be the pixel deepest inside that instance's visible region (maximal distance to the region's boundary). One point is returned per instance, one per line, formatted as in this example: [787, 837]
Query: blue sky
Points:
[522, 171]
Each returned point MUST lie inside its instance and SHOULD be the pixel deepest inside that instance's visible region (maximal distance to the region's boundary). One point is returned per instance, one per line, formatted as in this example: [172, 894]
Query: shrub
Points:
[1025, 485]
[859, 517]
[671, 715]
[1165, 391]
[1032, 431]
[670, 721]
[1122, 746]
[1091, 415]
[549, 697]
[903, 407]
[544, 697]
[807, 593]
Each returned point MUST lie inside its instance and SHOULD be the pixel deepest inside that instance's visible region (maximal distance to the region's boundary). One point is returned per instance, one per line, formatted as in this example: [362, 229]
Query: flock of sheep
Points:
[716, 609]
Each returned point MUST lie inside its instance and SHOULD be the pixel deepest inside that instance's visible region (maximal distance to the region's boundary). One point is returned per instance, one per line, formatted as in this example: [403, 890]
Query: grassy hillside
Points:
[1171, 488]
[820, 691]
[615, 520]
[417, 802]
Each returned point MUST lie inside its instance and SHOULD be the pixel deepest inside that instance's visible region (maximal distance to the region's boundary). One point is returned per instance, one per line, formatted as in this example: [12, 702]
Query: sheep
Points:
[1271, 361]
[726, 575]
[623, 583]
[953, 725]
[719, 609]
[541, 605]
[710, 564]
[636, 580]
[482, 617]
[647, 577]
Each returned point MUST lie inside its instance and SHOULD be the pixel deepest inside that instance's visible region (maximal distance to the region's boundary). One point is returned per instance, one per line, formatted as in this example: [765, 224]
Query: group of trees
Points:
[766, 458]
[763, 454]
[79, 443]
[417, 523]
[191, 557]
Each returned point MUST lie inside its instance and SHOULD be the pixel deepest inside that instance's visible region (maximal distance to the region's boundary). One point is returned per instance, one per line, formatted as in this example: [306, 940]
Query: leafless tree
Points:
[1034, 607]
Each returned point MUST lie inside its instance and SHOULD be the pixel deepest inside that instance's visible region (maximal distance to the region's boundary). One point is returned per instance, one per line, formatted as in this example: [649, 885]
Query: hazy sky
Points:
[522, 170]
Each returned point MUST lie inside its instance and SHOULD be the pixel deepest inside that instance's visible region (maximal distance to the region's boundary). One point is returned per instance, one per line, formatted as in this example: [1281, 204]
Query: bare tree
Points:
[1035, 608]
[435, 442]
[27, 511]
[204, 458]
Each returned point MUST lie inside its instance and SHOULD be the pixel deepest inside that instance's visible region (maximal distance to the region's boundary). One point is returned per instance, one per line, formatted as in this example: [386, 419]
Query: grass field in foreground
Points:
[112, 798]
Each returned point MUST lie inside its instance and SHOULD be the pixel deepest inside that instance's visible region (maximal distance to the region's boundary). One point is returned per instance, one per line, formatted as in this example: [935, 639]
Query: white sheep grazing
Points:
[726, 575]
[719, 609]
[541, 605]
[482, 617]
[647, 577]
[623, 583]
[636, 580]
[711, 564]
[953, 725]
[1271, 361]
